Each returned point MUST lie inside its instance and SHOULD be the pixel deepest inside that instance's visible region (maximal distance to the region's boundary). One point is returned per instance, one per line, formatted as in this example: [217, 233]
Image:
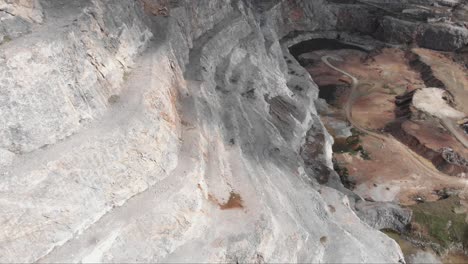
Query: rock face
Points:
[129, 137]
[29, 10]
[384, 215]
[439, 25]
[444, 37]
[81, 66]
[17, 17]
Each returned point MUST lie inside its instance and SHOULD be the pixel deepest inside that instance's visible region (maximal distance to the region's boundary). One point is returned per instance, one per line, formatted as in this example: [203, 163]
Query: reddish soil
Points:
[235, 201]
[391, 173]
[156, 7]
[434, 137]
[374, 110]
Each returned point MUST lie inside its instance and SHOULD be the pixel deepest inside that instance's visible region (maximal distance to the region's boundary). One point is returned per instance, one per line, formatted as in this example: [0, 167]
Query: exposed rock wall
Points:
[29, 10]
[68, 74]
[17, 17]
[429, 24]
[190, 152]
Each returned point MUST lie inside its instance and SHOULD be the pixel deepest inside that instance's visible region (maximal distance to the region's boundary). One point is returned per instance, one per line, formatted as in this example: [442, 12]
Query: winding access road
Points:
[450, 126]
[351, 99]
[419, 161]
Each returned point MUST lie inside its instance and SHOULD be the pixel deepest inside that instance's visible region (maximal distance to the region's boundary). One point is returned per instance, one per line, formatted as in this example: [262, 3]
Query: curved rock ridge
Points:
[128, 137]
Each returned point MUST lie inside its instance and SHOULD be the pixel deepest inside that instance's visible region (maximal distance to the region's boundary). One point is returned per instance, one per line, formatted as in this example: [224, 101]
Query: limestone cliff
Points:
[168, 131]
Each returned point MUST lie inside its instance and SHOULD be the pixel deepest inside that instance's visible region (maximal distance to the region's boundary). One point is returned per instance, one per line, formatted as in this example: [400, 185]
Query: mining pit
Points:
[398, 151]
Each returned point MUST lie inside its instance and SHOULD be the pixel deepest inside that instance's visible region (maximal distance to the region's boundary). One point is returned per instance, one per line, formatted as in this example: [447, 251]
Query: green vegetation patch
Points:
[126, 75]
[356, 132]
[440, 223]
[345, 178]
[406, 247]
[391, 90]
[364, 153]
[351, 145]
[6, 39]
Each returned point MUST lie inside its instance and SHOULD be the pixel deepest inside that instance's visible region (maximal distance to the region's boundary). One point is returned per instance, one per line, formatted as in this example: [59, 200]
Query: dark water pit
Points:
[333, 93]
[321, 44]
[342, 145]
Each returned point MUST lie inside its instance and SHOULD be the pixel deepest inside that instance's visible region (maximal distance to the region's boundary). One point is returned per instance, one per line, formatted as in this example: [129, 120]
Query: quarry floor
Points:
[391, 171]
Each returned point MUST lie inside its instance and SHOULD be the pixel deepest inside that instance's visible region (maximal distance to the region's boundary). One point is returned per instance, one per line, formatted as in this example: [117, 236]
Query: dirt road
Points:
[418, 161]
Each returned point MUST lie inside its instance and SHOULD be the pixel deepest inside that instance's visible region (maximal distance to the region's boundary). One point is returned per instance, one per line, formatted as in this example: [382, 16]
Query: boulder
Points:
[384, 215]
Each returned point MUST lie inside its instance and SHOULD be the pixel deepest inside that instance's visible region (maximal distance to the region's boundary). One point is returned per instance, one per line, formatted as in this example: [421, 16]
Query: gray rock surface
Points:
[439, 25]
[395, 30]
[81, 65]
[356, 18]
[17, 18]
[29, 10]
[131, 138]
[444, 37]
[383, 215]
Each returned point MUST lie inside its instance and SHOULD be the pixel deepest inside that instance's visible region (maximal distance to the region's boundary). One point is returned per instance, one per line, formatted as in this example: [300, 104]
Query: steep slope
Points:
[188, 152]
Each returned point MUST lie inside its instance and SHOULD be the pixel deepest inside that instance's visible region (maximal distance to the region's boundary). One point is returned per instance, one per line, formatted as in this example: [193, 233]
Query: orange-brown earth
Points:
[434, 137]
[391, 173]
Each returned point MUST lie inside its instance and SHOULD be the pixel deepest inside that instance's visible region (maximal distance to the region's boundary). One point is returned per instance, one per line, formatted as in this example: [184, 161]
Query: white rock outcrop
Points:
[131, 138]
[432, 102]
